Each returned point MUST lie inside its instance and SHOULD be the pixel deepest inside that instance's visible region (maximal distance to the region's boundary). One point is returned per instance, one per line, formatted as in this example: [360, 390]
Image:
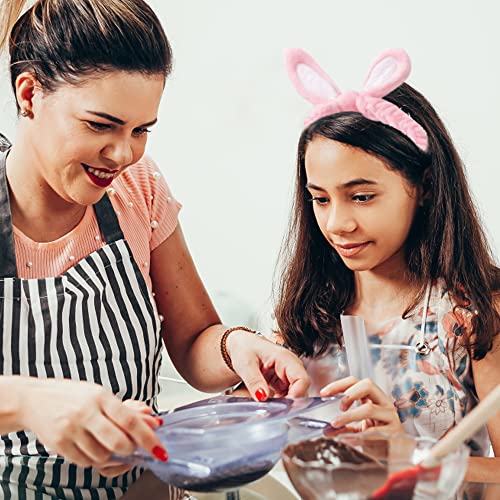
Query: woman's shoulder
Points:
[144, 183]
[142, 177]
[142, 193]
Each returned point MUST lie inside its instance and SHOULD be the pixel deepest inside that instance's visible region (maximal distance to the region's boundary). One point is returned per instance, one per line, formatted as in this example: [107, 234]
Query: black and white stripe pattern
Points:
[96, 322]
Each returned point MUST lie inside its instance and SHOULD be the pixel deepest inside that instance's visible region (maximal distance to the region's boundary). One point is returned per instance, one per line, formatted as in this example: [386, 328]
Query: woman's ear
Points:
[26, 88]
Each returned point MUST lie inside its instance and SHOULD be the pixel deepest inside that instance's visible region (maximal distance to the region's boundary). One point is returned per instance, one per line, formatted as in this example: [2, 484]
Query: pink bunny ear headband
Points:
[386, 73]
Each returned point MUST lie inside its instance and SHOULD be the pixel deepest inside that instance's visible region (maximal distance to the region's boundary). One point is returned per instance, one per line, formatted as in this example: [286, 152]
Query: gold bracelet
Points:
[223, 341]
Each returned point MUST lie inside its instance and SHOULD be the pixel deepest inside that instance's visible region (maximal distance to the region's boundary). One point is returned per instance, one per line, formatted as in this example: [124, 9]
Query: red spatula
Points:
[401, 484]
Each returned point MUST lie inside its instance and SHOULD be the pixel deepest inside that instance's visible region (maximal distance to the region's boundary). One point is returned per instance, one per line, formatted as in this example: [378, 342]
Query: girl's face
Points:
[85, 135]
[364, 209]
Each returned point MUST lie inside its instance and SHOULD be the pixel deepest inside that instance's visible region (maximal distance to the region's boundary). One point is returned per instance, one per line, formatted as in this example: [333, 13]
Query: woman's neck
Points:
[383, 293]
[37, 210]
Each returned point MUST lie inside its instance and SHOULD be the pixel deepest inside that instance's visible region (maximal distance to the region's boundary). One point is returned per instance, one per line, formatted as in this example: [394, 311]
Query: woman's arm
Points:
[486, 377]
[11, 393]
[192, 331]
[188, 312]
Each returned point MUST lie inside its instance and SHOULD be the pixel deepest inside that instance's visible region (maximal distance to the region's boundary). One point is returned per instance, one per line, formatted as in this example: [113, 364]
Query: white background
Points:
[230, 120]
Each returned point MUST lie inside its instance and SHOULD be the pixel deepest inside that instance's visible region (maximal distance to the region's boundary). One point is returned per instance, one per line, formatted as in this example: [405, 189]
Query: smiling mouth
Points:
[101, 178]
[102, 174]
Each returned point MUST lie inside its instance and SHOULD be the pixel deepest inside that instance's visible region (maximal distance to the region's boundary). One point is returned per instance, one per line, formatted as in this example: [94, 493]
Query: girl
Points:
[384, 227]
[88, 229]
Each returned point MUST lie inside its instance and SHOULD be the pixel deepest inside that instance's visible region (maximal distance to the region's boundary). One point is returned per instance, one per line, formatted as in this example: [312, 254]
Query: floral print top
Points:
[431, 393]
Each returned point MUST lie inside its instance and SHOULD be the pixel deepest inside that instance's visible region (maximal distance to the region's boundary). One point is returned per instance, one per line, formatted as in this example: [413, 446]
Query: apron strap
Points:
[108, 220]
[8, 268]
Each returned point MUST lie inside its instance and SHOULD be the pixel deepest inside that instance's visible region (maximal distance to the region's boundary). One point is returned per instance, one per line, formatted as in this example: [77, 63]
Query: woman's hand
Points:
[85, 423]
[376, 410]
[114, 468]
[266, 368]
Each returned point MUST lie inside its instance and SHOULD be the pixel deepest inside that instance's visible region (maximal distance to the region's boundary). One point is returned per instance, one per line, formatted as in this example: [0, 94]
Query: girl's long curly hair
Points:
[445, 241]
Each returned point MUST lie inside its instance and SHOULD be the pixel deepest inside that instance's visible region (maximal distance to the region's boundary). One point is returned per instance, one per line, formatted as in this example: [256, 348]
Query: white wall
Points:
[230, 120]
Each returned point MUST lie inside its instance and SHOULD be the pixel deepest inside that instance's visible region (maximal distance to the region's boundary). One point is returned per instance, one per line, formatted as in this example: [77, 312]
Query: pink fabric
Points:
[139, 196]
[386, 73]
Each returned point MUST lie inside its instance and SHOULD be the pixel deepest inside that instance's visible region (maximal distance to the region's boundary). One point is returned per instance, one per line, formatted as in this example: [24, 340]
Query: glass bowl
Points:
[354, 466]
[224, 442]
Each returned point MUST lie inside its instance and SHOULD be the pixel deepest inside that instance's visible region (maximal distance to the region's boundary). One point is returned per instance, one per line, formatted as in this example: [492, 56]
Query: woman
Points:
[88, 231]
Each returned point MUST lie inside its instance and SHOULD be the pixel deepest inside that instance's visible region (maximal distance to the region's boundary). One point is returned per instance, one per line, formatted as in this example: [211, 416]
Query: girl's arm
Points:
[192, 331]
[486, 377]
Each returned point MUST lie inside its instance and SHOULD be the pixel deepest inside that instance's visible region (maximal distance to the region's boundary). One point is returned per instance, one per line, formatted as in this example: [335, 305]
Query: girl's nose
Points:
[340, 221]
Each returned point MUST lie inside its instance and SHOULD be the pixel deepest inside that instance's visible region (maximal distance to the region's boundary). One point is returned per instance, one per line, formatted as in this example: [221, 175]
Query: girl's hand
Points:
[85, 423]
[376, 411]
[266, 368]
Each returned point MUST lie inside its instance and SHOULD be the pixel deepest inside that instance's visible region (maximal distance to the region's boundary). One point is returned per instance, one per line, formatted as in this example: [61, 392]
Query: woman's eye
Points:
[363, 198]
[99, 127]
[319, 200]
[138, 132]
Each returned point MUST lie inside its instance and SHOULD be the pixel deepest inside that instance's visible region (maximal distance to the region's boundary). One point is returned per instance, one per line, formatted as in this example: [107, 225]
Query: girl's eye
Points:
[363, 198]
[98, 127]
[138, 132]
[319, 200]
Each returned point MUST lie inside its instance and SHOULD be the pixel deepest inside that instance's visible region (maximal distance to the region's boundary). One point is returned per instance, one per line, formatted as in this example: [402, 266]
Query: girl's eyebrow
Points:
[346, 185]
[357, 182]
[119, 121]
[313, 186]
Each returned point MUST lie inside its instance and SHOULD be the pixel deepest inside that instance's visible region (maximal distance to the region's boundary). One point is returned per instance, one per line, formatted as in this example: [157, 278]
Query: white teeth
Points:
[99, 173]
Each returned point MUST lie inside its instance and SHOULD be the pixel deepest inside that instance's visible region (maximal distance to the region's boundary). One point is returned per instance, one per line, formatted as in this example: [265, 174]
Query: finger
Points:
[133, 424]
[253, 379]
[110, 436]
[331, 432]
[139, 406]
[75, 455]
[290, 377]
[298, 380]
[277, 386]
[153, 421]
[365, 411]
[338, 386]
[366, 388]
[96, 451]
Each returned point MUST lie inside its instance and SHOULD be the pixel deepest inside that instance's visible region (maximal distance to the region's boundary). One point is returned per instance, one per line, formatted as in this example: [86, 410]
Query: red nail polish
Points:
[159, 420]
[160, 453]
[260, 394]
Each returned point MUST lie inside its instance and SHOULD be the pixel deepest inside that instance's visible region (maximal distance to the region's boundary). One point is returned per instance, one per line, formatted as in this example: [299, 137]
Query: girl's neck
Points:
[37, 211]
[383, 293]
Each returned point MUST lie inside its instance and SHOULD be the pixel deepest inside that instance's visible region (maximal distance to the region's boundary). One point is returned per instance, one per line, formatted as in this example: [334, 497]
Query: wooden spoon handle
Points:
[473, 421]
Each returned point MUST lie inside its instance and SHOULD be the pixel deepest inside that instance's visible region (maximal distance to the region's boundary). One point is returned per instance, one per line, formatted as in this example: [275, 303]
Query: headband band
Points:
[386, 73]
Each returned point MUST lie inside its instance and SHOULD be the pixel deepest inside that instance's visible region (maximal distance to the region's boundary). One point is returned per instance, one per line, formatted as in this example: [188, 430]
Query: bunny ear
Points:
[388, 72]
[309, 79]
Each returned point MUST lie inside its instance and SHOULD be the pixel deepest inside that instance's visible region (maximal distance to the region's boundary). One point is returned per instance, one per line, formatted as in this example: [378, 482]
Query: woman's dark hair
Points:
[66, 40]
[445, 241]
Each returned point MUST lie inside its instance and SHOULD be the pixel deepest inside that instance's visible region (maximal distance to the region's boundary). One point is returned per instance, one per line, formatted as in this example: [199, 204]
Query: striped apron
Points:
[97, 322]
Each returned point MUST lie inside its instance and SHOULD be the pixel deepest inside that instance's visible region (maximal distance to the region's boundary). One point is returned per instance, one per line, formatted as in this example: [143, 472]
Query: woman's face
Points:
[364, 209]
[85, 135]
